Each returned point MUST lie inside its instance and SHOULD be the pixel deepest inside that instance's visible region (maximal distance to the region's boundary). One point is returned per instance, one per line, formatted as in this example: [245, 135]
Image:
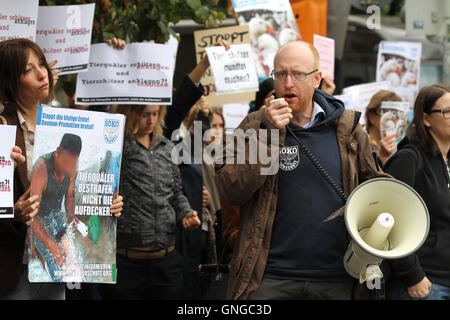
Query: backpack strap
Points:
[419, 158]
[356, 120]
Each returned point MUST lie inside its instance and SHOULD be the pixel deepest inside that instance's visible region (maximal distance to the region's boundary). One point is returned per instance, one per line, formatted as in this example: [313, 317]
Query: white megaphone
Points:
[386, 219]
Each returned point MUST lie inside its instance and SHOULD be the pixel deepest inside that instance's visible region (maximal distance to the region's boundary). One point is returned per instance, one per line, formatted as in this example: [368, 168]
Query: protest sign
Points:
[399, 64]
[207, 38]
[394, 118]
[234, 113]
[18, 19]
[64, 34]
[325, 47]
[234, 70]
[142, 73]
[271, 24]
[8, 134]
[76, 168]
[361, 95]
[347, 99]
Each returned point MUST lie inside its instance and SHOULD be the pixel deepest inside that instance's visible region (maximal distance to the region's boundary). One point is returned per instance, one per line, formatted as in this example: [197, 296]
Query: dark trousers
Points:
[274, 289]
[150, 279]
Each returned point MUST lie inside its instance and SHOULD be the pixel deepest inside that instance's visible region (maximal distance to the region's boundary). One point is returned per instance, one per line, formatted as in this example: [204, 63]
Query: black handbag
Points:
[213, 278]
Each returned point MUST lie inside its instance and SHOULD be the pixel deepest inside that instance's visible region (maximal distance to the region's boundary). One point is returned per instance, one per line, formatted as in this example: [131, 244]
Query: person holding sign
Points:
[26, 81]
[382, 147]
[191, 243]
[422, 161]
[148, 266]
[292, 238]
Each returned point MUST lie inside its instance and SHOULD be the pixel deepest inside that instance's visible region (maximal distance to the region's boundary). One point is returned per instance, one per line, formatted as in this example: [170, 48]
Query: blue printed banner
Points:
[76, 167]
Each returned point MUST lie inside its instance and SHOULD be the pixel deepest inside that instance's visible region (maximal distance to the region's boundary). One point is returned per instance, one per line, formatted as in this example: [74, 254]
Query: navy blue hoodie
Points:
[302, 246]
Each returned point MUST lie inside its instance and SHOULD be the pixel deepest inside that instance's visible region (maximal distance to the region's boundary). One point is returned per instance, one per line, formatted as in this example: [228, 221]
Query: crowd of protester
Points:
[268, 228]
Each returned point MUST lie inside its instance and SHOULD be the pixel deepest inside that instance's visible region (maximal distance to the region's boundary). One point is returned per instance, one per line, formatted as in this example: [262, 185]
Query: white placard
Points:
[18, 19]
[142, 73]
[64, 34]
[234, 69]
[347, 99]
[8, 134]
[234, 113]
[325, 46]
[399, 64]
[361, 95]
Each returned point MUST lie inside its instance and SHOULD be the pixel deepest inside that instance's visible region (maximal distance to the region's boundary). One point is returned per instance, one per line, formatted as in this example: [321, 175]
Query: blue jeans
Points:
[437, 292]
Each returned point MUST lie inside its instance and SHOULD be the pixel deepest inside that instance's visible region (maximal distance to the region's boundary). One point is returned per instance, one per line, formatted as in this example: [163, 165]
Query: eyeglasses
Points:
[445, 112]
[295, 76]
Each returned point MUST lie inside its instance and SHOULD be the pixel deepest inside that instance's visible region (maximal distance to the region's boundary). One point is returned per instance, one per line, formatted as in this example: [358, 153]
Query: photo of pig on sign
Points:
[234, 70]
[8, 134]
[394, 118]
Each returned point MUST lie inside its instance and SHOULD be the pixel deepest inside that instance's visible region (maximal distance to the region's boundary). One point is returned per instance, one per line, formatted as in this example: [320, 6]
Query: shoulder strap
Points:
[356, 120]
[348, 121]
[419, 157]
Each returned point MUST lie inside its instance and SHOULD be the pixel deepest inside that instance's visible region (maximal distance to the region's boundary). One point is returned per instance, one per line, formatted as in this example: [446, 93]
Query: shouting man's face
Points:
[296, 60]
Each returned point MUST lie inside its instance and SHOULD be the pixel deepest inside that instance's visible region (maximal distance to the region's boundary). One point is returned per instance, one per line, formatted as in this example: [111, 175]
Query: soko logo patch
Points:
[111, 130]
[289, 158]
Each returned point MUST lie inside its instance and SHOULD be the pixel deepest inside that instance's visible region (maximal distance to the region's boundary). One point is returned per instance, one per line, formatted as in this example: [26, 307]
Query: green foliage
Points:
[139, 20]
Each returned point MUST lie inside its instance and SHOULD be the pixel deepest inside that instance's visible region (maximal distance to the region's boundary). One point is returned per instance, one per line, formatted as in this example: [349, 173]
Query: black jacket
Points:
[428, 175]
[153, 198]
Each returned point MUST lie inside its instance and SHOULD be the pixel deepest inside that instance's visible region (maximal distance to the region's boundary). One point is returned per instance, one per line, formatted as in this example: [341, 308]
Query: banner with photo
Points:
[272, 24]
[399, 64]
[76, 170]
[394, 118]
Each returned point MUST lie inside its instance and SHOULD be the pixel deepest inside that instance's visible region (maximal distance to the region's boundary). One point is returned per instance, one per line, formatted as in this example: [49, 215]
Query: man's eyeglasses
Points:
[445, 112]
[295, 75]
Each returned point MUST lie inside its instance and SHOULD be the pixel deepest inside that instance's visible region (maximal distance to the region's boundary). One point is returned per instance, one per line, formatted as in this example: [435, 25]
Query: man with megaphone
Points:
[292, 236]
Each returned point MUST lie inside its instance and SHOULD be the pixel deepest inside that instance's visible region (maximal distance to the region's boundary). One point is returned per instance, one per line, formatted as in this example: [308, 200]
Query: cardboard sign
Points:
[207, 38]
